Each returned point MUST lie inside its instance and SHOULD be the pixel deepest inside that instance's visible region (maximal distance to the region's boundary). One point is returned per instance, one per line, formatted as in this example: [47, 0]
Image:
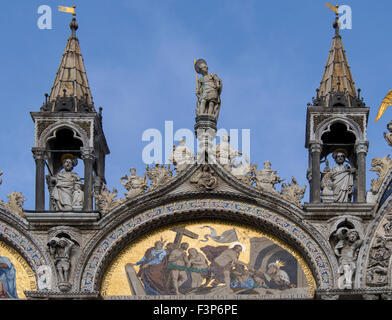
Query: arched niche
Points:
[338, 135]
[63, 140]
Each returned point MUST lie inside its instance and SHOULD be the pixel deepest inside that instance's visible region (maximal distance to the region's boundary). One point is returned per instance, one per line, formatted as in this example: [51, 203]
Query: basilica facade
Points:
[210, 226]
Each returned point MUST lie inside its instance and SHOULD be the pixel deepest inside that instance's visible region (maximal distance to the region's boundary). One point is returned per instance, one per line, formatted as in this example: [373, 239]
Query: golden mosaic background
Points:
[25, 277]
[115, 282]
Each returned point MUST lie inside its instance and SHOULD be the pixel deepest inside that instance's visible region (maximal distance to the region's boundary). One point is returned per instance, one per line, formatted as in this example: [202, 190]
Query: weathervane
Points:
[68, 9]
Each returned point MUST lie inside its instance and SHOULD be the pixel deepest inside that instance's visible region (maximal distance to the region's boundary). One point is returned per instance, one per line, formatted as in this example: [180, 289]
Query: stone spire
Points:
[70, 91]
[337, 87]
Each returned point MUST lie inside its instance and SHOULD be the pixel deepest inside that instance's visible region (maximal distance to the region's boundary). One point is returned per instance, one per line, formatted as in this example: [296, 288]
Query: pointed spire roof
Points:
[71, 78]
[337, 87]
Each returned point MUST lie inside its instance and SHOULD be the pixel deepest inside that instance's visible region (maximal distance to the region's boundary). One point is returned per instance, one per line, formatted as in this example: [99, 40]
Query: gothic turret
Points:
[70, 90]
[68, 128]
[337, 87]
[336, 132]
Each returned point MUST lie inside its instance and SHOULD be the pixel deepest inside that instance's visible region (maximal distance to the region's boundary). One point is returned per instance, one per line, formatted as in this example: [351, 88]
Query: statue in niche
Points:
[224, 153]
[181, 157]
[266, 178]
[64, 185]
[346, 250]
[209, 88]
[337, 183]
[60, 248]
[134, 184]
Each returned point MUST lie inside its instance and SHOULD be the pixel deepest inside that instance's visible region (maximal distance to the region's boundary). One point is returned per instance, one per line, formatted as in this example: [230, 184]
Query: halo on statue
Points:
[198, 63]
[69, 156]
[340, 150]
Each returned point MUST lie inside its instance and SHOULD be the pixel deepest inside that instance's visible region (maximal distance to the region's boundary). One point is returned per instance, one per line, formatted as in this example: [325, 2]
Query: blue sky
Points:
[139, 56]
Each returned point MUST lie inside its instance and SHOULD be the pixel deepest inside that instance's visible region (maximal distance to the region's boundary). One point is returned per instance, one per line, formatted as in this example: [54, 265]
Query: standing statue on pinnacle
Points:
[209, 88]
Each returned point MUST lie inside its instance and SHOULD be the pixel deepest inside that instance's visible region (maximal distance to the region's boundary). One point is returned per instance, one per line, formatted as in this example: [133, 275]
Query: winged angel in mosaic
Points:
[212, 264]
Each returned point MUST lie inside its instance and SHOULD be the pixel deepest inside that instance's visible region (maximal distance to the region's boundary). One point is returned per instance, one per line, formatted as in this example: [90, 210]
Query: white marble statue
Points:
[337, 183]
[134, 184]
[181, 157]
[224, 153]
[242, 170]
[77, 197]
[62, 186]
[347, 251]
[266, 178]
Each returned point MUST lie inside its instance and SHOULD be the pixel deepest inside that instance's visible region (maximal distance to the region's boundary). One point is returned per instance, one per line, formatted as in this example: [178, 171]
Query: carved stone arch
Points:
[346, 220]
[50, 133]
[352, 126]
[14, 236]
[376, 230]
[384, 192]
[105, 246]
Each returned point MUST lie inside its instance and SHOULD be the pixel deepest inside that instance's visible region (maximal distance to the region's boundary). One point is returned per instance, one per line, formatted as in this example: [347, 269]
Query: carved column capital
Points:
[315, 147]
[362, 147]
[38, 153]
[87, 153]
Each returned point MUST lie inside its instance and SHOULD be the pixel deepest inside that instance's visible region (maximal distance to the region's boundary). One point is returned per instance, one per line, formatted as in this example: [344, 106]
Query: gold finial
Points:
[333, 8]
[68, 9]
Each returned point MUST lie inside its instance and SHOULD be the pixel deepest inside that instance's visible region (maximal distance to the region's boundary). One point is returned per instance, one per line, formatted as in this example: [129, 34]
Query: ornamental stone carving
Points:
[15, 203]
[292, 192]
[60, 248]
[181, 157]
[381, 166]
[243, 170]
[377, 276]
[379, 256]
[106, 200]
[388, 227]
[158, 175]
[205, 178]
[346, 249]
[134, 184]
[224, 153]
[266, 178]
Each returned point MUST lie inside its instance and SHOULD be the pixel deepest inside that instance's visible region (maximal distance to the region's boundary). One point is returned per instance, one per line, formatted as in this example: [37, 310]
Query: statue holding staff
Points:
[209, 88]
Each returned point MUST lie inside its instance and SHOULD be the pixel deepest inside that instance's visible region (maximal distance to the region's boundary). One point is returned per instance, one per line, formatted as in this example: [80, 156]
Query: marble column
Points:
[39, 157]
[88, 160]
[361, 149]
[315, 151]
